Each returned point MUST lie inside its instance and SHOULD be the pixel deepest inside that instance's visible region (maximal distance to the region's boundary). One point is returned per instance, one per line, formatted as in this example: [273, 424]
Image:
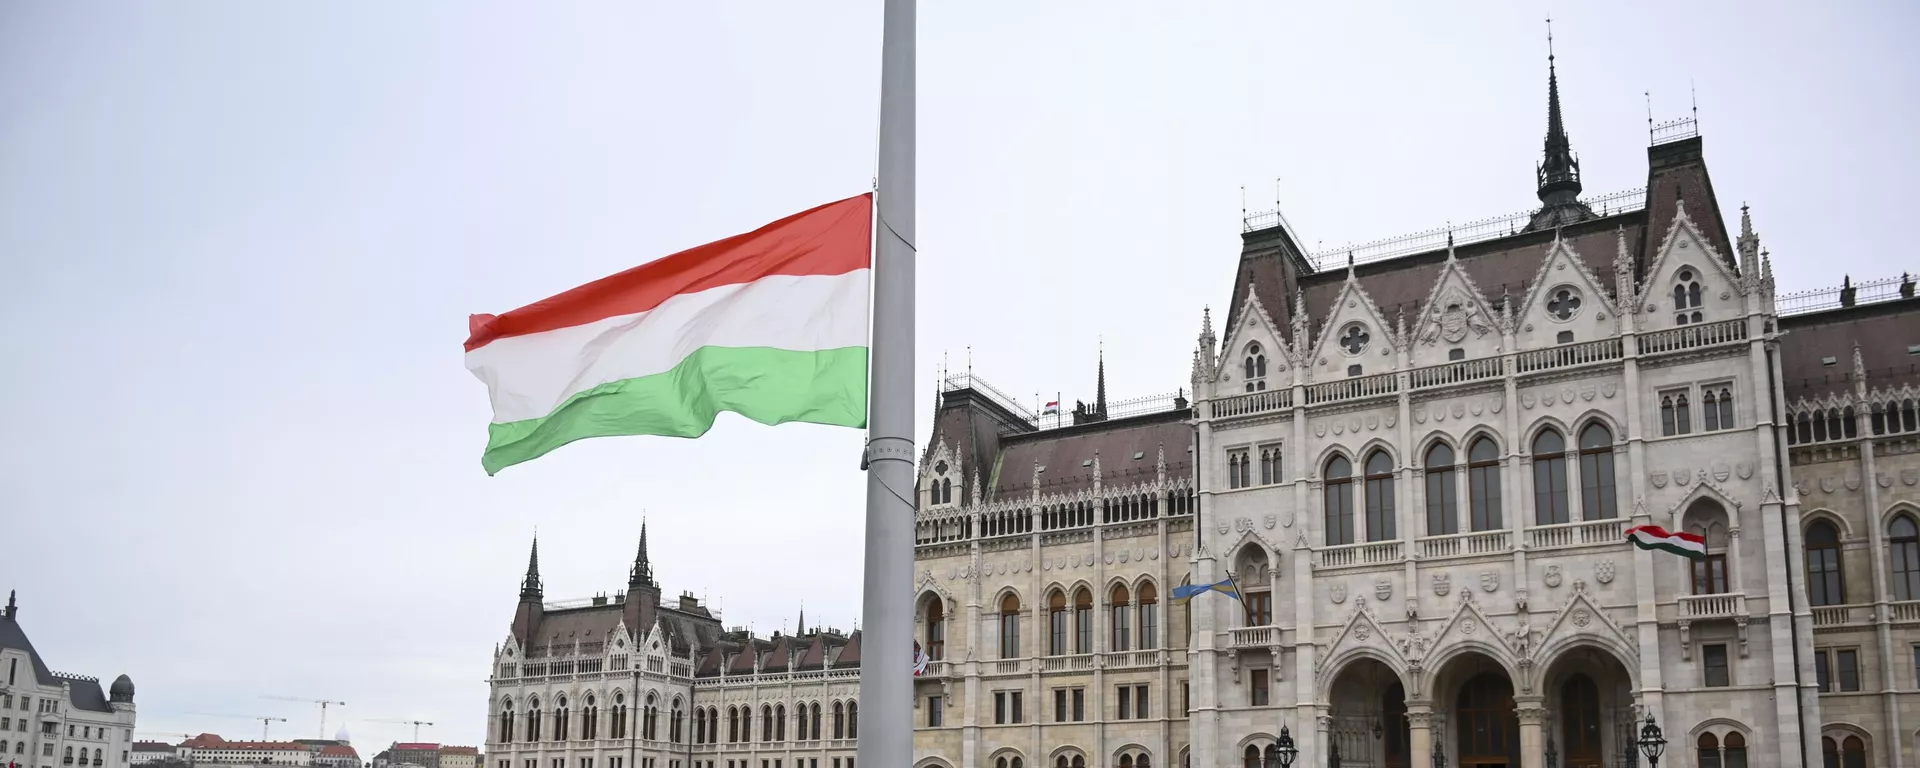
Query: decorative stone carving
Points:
[1682, 477]
[1222, 527]
[1242, 524]
[1721, 472]
[1883, 480]
[1582, 617]
[1526, 400]
[1659, 479]
[1338, 591]
[1123, 556]
[1496, 404]
[1608, 390]
[1743, 469]
[1362, 632]
[1910, 476]
[1382, 588]
[1339, 428]
[1442, 584]
[1853, 482]
[1420, 417]
[1587, 392]
[1320, 429]
[1546, 398]
[1468, 626]
[1552, 577]
[1270, 521]
[1603, 572]
[1826, 485]
[1459, 410]
[1490, 580]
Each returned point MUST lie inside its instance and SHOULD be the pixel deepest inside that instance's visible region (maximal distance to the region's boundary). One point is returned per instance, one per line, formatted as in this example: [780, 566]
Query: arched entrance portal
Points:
[1589, 701]
[1475, 721]
[1369, 716]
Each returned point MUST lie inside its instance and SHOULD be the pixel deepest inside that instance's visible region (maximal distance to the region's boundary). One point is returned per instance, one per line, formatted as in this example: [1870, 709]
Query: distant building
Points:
[210, 748]
[414, 753]
[459, 757]
[145, 752]
[337, 756]
[50, 719]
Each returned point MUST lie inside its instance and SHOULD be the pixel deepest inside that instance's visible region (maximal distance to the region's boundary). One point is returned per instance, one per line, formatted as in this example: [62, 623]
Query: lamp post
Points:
[1439, 754]
[1553, 755]
[1651, 742]
[1285, 749]
[1333, 752]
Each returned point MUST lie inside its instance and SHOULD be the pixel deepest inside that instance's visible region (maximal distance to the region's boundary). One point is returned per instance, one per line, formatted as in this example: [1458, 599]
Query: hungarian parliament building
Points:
[1403, 478]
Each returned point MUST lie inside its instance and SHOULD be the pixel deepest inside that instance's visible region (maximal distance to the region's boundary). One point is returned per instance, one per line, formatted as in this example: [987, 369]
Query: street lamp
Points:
[1285, 748]
[1651, 743]
[1439, 755]
[1553, 755]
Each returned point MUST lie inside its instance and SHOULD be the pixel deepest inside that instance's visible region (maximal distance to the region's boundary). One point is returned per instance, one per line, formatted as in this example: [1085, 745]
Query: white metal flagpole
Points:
[886, 653]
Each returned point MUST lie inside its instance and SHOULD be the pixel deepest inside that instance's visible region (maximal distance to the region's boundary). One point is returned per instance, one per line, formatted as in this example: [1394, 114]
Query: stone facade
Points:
[49, 718]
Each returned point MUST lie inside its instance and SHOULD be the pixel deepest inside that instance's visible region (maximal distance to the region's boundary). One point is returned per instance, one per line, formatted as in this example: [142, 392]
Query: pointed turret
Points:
[1084, 413]
[1558, 174]
[642, 572]
[800, 627]
[530, 586]
[1749, 247]
[13, 609]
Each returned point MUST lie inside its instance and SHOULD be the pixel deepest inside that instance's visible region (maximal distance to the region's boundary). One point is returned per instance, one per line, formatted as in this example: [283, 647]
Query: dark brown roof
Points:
[1129, 450]
[1883, 331]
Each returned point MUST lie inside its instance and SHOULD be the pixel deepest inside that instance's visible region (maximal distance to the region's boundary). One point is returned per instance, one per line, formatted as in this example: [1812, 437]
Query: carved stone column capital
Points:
[1531, 714]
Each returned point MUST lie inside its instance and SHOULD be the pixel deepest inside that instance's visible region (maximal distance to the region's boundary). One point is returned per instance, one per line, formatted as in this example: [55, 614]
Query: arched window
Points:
[1443, 506]
[1853, 753]
[1686, 298]
[1010, 626]
[506, 721]
[946, 490]
[1122, 626]
[673, 726]
[779, 722]
[1829, 752]
[1803, 428]
[1239, 470]
[533, 720]
[1379, 496]
[560, 730]
[1909, 415]
[1709, 751]
[699, 726]
[649, 719]
[813, 711]
[1734, 750]
[1825, 583]
[619, 715]
[1716, 408]
[1269, 465]
[1126, 761]
[1079, 761]
[1903, 545]
[766, 722]
[1550, 479]
[853, 724]
[839, 721]
[1082, 621]
[1483, 484]
[1252, 757]
[1057, 623]
[1339, 501]
[1597, 498]
[936, 629]
[1840, 422]
[1149, 608]
[1256, 368]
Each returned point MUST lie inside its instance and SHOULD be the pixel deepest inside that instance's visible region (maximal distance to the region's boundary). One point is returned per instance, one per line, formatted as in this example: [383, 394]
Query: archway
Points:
[1590, 707]
[1480, 727]
[1368, 716]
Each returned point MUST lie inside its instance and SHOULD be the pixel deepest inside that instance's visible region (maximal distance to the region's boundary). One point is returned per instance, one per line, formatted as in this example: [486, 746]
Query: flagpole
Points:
[886, 661]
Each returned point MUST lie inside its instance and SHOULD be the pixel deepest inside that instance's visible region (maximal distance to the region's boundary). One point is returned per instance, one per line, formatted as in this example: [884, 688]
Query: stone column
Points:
[1533, 718]
[1420, 742]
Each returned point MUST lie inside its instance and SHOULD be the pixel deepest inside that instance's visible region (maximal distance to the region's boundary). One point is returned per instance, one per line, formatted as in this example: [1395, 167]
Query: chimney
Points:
[688, 602]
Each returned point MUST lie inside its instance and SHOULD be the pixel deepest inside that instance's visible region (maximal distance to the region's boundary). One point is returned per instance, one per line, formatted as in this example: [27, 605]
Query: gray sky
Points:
[240, 242]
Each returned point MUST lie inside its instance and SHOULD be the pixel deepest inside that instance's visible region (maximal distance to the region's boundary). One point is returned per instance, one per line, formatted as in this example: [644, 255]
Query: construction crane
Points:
[169, 734]
[324, 703]
[415, 723]
[266, 722]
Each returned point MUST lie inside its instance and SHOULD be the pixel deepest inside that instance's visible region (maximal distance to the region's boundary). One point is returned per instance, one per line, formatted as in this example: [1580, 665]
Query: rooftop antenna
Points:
[1549, 40]
[1243, 203]
[1649, 95]
[1695, 97]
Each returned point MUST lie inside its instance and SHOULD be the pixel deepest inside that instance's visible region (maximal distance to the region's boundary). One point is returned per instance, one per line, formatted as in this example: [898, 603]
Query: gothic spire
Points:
[530, 586]
[642, 572]
[1100, 387]
[800, 627]
[1558, 174]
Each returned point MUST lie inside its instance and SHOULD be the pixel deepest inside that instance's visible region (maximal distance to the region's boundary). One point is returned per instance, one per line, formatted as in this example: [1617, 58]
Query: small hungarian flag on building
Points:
[1688, 545]
[771, 325]
[1051, 409]
[920, 659]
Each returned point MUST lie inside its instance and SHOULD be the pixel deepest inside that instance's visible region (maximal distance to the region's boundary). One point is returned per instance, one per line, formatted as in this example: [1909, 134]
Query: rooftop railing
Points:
[1436, 239]
[1844, 295]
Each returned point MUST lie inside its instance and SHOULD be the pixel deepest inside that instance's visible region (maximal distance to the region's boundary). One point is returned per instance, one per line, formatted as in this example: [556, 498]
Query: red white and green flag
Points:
[771, 325]
[1689, 545]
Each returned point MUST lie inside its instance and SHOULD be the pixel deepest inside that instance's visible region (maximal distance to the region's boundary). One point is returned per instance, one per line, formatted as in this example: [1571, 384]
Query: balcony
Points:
[1132, 659]
[1721, 606]
[1369, 553]
[1905, 612]
[1082, 662]
[1252, 404]
[938, 669]
[1007, 667]
[1830, 617]
[1377, 385]
[1694, 337]
[1455, 374]
[1466, 544]
[1577, 534]
[1253, 637]
[1569, 355]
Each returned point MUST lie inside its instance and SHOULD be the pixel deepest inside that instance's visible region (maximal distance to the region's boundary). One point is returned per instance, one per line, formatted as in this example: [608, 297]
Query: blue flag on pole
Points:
[1186, 592]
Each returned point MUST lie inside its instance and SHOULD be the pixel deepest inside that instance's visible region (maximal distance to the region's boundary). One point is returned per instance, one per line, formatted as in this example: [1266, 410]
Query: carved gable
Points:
[1689, 282]
[1468, 624]
[1455, 316]
[1582, 618]
[1566, 303]
[1361, 630]
[1255, 356]
[1354, 334]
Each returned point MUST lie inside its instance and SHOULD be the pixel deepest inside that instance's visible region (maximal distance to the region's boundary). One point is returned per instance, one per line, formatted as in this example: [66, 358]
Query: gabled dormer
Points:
[1566, 303]
[1255, 356]
[941, 480]
[1355, 340]
[1690, 281]
[1455, 322]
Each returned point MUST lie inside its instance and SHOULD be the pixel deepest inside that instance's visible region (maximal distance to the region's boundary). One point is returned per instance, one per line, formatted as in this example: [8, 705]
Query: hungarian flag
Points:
[771, 325]
[1053, 407]
[920, 659]
[1688, 545]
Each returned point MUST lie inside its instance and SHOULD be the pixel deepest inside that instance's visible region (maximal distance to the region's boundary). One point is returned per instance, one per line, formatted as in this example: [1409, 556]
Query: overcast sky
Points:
[240, 242]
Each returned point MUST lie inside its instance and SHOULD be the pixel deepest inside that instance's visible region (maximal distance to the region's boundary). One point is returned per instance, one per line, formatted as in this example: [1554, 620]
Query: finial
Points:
[1549, 41]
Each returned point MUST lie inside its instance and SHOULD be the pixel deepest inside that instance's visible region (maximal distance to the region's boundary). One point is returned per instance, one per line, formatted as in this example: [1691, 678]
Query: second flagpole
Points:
[886, 663]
